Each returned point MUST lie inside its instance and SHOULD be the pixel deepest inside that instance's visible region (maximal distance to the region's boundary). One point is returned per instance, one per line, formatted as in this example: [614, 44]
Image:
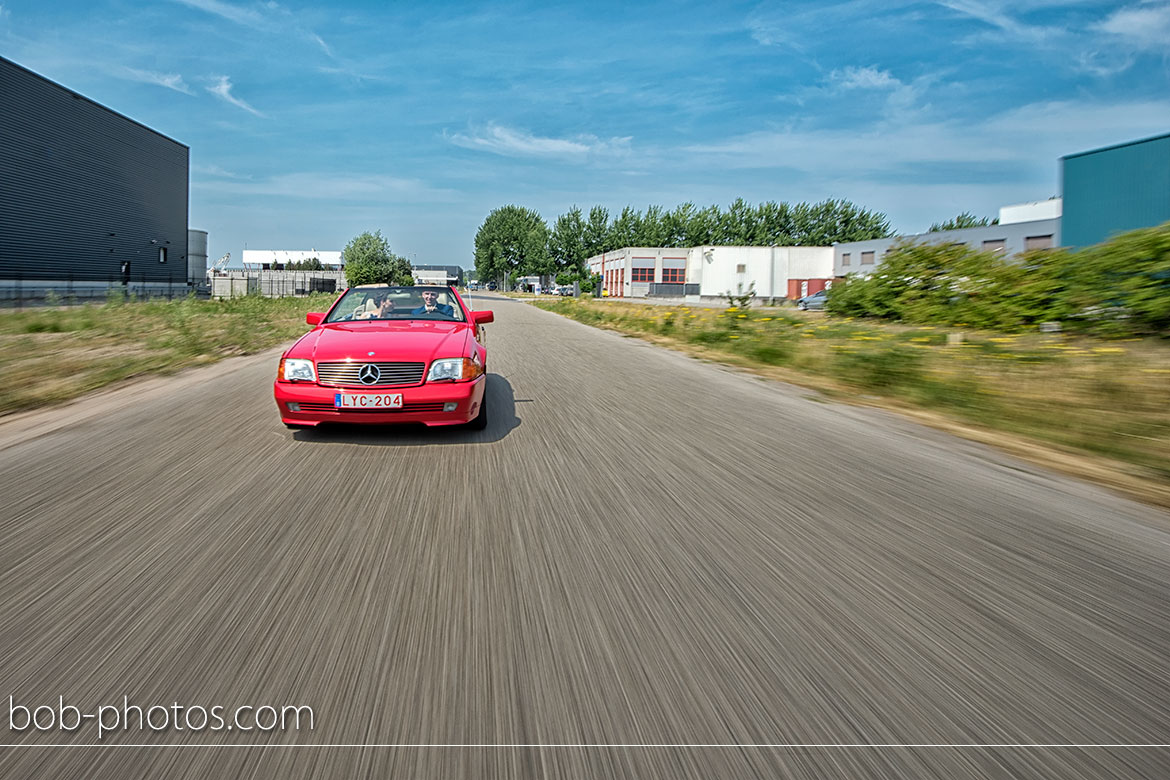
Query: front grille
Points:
[436, 406]
[391, 374]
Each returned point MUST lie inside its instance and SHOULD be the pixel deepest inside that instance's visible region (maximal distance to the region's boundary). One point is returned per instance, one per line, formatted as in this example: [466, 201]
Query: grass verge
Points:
[1104, 399]
[55, 354]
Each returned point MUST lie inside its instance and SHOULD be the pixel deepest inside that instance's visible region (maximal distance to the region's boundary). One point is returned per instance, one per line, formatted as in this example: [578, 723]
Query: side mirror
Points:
[482, 317]
[314, 317]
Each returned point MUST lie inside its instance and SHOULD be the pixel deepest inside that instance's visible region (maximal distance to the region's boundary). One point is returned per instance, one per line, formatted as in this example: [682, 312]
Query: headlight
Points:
[454, 369]
[450, 369]
[292, 370]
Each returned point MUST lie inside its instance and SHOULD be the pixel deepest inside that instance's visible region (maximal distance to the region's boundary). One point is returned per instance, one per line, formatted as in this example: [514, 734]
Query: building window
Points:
[846, 259]
[1038, 242]
[674, 276]
[642, 275]
[995, 245]
[162, 254]
[867, 258]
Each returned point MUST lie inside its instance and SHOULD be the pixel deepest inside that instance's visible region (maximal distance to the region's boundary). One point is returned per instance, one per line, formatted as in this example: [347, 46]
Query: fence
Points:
[276, 284]
[672, 290]
[20, 292]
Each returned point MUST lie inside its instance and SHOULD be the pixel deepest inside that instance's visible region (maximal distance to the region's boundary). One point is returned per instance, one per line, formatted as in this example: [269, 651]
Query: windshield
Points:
[397, 303]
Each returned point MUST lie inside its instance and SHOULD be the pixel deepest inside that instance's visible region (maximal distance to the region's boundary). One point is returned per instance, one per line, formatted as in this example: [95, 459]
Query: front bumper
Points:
[313, 404]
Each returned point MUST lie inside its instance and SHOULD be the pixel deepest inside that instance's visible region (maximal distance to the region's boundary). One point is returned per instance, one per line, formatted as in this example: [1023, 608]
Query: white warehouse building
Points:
[714, 271]
[273, 257]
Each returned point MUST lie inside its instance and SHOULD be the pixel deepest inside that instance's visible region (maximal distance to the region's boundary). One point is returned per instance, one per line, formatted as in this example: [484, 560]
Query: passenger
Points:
[383, 307]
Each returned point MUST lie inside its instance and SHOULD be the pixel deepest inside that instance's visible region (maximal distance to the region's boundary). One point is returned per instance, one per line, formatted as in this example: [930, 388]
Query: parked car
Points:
[491, 286]
[473, 286]
[814, 302]
[384, 354]
[565, 289]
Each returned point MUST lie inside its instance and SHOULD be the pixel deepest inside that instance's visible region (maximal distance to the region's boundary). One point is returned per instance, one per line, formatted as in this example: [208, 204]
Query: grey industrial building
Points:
[88, 198]
[861, 257]
[454, 272]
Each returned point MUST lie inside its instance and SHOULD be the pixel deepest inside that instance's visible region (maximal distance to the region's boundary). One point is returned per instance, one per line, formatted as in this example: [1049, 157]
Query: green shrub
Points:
[44, 326]
[1123, 285]
[710, 336]
[887, 368]
[774, 352]
[1120, 287]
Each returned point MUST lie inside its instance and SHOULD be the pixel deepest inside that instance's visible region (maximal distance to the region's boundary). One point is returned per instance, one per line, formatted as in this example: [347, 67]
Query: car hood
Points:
[385, 341]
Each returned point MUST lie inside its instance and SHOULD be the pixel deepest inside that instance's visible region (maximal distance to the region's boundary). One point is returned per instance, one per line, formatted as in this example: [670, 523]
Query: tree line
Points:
[516, 241]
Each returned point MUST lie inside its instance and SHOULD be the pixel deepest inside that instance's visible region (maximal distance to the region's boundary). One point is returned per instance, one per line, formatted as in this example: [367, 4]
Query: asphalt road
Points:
[641, 549]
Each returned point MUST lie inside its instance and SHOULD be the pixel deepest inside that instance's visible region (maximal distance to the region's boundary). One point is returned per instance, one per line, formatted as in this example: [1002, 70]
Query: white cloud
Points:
[517, 143]
[993, 13]
[267, 17]
[1144, 27]
[223, 90]
[901, 97]
[864, 78]
[334, 186]
[218, 172]
[1023, 138]
[785, 25]
[320, 42]
[240, 15]
[1127, 31]
[169, 80]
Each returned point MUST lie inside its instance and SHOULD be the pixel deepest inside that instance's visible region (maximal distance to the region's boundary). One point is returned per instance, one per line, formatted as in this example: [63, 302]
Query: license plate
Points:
[368, 400]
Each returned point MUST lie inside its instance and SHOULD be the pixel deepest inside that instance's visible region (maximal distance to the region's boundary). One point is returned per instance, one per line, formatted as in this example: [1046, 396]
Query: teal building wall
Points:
[1115, 189]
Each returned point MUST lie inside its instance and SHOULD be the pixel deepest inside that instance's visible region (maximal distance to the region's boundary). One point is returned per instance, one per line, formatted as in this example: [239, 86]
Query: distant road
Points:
[641, 549]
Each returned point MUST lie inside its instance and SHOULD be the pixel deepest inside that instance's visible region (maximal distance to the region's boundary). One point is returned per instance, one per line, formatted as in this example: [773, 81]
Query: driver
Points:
[431, 305]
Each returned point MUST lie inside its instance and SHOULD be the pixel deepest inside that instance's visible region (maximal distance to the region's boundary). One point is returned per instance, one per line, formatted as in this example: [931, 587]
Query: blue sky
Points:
[311, 122]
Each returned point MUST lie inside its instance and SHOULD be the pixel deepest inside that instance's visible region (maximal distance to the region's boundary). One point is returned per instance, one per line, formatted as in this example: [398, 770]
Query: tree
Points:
[738, 225]
[310, 264]
[964, 220]
[566, 244]
[596, 232]
[512, 240]
[822, 224]
[775, 223]
[743, 224]
[675, 224]
[702, 227]
[624, 230]
[651, 228]
[368, 260]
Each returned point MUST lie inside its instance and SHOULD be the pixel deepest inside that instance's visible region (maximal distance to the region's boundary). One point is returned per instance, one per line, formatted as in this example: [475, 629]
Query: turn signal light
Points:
[472, 369]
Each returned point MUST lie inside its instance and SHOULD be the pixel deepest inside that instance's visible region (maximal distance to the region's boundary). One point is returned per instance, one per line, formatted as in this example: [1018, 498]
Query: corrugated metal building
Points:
[1114, 189]
[85, 191]
[452, 273]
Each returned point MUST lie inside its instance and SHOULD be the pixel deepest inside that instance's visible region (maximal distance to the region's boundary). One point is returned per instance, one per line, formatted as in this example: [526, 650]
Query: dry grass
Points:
[55, 354]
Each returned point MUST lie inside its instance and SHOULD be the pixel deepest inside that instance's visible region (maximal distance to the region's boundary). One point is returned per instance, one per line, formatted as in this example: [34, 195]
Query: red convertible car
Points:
[385, 354]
